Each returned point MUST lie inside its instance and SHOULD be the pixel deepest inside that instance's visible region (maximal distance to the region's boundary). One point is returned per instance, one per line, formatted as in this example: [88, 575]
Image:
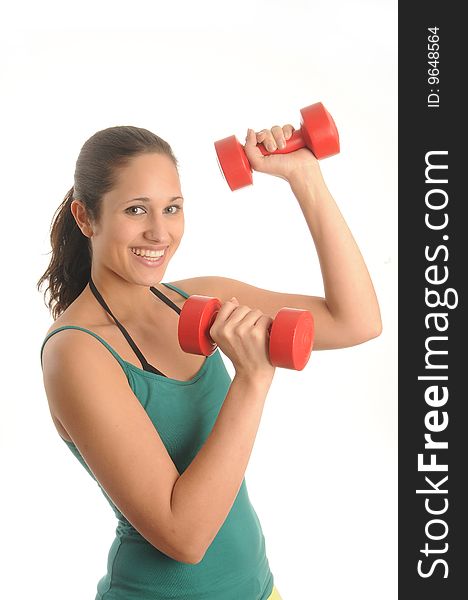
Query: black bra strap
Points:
[144, 363]
[166, 300]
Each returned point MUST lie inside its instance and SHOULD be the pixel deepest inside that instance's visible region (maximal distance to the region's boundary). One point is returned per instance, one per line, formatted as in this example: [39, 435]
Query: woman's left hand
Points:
[299, 163]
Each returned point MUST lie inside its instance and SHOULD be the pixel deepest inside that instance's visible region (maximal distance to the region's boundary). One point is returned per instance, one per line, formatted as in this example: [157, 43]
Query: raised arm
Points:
[350, 300]
[349, 313]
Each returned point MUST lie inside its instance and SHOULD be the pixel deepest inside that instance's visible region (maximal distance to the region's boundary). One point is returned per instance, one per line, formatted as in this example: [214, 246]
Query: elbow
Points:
[192, 553]
[199, 549]
[370, 332]
[188, 556]
[199, 553]
[197, 559]
[192, 558]
[189, 560]
[180, 550]
[376, 330]
[363, 334]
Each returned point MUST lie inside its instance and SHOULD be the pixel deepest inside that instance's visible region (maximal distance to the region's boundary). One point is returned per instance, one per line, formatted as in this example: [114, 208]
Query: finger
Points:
[228, 315]
[250, 318]
[288, 131]
[278, 136]
[227, 308]
[265, 321]
[266, 138]
[250, 147]
[237, 315]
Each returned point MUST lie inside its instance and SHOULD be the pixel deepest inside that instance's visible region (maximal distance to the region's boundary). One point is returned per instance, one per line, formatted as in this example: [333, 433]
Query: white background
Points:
[323, 473]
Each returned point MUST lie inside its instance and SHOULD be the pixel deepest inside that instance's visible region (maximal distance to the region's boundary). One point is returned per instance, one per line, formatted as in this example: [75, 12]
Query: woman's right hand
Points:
[243, 336]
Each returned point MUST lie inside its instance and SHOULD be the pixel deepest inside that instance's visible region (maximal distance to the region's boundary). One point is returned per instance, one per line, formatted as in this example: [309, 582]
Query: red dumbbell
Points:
[318, 133]
[291, 333]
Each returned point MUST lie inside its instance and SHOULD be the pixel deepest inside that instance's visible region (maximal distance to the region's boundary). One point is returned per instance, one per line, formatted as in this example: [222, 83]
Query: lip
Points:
[157, 248]
[147, 262]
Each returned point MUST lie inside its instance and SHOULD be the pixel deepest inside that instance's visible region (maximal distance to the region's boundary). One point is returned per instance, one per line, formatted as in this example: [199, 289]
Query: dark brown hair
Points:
[95, 175]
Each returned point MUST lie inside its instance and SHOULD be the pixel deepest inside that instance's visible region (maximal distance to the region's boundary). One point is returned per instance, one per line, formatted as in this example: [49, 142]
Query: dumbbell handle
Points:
[295, 142]
[213, 319]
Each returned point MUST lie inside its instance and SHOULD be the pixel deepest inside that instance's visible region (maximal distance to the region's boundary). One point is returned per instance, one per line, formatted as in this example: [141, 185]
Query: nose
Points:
[157, 229]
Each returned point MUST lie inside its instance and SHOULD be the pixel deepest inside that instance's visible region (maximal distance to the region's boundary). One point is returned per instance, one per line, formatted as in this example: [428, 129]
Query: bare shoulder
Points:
[210, 285]
[80, 313]
[63, 348]
[74, 349]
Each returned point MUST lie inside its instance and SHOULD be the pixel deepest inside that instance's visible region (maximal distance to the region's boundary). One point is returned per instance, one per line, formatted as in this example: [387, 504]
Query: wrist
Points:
[258, 379]
[306, 184]
[309, 174]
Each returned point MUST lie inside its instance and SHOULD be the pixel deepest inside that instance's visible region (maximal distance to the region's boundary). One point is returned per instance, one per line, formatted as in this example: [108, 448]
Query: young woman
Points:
[168, 435]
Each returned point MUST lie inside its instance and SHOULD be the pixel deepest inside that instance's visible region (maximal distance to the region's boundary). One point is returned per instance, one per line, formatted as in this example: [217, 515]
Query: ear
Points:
[81, 217]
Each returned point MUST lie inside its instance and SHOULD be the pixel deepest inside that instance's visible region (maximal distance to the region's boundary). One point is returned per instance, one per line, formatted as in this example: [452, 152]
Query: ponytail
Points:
[70, 267]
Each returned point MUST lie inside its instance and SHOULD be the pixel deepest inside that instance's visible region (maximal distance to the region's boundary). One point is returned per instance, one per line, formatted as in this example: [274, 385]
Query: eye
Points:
[130, 210]
[127, 210]
[175, 206]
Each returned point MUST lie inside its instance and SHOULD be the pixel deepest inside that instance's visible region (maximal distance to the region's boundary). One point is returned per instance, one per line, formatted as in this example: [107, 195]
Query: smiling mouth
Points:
[153, 255]
[150, 261]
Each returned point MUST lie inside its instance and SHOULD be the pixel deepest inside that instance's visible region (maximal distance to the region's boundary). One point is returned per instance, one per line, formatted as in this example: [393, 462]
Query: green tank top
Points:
[235, 566]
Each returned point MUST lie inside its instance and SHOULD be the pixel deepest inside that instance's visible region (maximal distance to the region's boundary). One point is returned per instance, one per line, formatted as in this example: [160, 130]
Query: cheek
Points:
[111, 239]
[181, 227]
[122, 232]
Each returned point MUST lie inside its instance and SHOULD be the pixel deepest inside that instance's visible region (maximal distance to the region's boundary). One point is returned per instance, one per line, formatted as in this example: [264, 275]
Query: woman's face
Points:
[142, 214]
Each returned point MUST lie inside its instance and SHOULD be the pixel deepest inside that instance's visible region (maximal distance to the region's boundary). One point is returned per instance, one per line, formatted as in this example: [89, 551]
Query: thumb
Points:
[252, 152]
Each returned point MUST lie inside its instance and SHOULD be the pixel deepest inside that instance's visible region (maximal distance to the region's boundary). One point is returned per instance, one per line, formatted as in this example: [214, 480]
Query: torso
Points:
[158, 342]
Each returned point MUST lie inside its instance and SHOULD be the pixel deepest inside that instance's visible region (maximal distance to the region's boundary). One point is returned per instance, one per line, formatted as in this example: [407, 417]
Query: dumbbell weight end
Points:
[291, 338]
[195, 320]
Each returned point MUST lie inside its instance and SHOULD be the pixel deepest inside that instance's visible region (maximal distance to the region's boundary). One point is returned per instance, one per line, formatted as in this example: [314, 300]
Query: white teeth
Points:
[148, 253]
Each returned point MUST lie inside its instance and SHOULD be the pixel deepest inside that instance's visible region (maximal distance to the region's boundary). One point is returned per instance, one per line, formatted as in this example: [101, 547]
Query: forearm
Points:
[205, 492]
[348, 288]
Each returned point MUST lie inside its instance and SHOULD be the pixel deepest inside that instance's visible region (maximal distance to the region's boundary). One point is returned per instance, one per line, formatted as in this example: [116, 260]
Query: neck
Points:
[126, 300]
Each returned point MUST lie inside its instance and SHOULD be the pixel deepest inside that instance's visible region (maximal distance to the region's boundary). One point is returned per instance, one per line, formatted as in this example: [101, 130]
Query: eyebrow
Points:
[145, 199]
